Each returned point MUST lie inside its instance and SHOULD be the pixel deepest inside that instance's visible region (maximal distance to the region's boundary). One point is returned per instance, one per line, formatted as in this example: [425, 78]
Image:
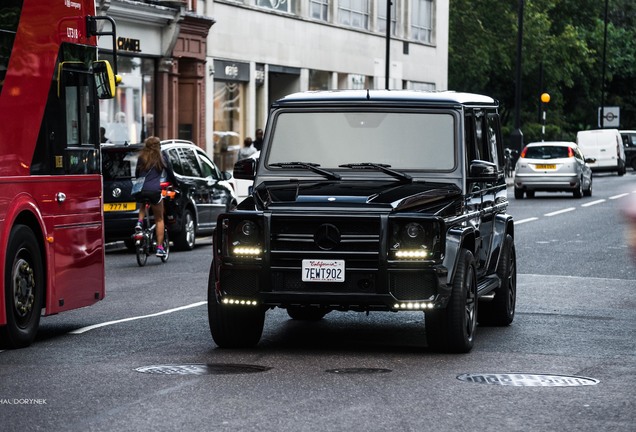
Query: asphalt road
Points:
[92, 369]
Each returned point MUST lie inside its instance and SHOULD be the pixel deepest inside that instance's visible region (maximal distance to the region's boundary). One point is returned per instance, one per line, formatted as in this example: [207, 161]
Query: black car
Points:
[370, 201]
[204, 192]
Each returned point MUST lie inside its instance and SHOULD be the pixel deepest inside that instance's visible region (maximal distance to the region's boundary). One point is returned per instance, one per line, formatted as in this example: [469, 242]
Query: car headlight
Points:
[415, 240]
[242, 238]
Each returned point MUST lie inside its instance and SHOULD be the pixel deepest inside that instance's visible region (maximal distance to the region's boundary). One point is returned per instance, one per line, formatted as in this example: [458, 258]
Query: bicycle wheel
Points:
[141, 249]
[166, 245]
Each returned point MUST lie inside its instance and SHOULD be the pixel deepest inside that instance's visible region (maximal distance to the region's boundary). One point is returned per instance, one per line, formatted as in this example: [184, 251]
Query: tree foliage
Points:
[562, 55]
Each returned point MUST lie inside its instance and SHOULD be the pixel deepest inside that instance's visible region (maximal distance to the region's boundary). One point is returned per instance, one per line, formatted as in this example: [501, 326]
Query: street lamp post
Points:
[517, 135]
[545, 98]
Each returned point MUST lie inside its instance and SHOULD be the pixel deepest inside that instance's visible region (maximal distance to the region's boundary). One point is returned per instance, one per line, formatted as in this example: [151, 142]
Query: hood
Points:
[381, 196]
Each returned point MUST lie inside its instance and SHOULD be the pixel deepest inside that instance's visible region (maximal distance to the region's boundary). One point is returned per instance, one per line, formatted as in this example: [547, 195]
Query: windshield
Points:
[119, 164]
[418, 141]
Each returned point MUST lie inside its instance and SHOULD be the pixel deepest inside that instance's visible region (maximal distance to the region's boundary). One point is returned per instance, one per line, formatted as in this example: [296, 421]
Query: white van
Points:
[604, 145]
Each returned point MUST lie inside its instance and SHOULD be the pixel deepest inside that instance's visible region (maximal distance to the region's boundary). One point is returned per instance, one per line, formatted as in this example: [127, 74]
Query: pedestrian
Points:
[152, 167]
[247, 150]
[258, 141]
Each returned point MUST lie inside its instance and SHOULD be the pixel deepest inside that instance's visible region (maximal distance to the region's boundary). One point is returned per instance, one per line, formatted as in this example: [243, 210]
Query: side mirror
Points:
[245, 169]
[104, 79]
[482, 171]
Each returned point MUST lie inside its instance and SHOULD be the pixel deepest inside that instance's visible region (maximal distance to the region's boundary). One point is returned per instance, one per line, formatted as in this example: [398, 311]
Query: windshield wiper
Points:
[310, 166]
[380, 167]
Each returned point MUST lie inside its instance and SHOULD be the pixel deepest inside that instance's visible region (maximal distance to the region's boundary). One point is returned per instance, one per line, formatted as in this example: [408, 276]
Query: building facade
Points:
[207, 70]
[161, 58]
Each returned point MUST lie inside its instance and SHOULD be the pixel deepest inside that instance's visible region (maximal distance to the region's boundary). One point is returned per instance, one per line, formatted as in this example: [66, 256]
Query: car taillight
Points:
[523, 152]
[165, 184]
[570, 152]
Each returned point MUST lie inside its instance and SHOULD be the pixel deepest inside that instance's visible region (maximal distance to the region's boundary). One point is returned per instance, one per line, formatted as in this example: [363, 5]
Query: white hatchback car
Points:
[552, 166]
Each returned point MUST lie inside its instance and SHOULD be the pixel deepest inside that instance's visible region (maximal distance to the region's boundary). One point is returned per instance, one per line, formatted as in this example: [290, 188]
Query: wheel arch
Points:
[456, 240]
[26, 213]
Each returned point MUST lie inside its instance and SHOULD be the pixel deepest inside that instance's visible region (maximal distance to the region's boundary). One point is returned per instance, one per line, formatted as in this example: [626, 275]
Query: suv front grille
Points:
[354, 239]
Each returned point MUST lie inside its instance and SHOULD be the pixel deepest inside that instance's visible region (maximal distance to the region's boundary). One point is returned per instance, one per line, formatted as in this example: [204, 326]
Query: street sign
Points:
[611, 117]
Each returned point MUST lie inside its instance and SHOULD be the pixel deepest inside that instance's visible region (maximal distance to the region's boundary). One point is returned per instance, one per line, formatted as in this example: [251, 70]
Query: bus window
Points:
[9, 18]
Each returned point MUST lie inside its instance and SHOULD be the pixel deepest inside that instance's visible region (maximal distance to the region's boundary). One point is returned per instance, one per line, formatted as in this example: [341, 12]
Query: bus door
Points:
[71, 202]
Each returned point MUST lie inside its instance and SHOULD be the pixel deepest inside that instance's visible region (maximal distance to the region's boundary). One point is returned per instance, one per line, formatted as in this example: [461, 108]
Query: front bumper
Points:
[397, 288]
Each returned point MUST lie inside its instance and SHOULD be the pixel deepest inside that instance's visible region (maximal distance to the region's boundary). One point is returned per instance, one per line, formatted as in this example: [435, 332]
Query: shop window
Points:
[129, 117]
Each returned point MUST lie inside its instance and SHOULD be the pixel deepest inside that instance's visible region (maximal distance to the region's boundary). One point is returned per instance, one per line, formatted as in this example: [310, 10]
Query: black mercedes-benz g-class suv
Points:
[370, 201]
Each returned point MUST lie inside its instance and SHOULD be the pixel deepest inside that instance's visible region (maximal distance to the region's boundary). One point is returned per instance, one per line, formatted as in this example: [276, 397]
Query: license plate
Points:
[546, 167]
[323, 271]
[126, 206]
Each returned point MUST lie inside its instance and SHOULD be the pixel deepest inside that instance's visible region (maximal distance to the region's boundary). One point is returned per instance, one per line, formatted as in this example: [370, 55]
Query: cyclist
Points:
[153, 167]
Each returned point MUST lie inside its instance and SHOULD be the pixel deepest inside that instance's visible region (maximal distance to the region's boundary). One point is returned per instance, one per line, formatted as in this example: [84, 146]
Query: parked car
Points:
[606, 147]
[203, 192]
[384, 204]
[629, 145]
[553, 166]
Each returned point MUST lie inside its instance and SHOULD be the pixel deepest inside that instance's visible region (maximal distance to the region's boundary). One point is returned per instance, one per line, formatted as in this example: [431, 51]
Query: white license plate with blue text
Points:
[323, 270]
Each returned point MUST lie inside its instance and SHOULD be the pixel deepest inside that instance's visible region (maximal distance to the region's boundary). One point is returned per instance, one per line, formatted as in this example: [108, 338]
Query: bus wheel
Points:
[24, 288]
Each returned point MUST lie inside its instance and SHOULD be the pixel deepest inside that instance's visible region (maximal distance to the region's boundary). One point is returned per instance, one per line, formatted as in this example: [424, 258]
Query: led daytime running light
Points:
[413, 305]
[417, 253]
[240, 302]
[247, 251]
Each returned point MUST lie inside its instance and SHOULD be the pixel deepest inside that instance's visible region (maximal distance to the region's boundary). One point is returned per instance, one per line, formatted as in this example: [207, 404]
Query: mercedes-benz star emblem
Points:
[327, 236]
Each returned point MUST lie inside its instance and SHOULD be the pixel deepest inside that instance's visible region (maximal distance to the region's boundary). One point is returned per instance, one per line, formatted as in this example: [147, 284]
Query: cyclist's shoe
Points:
[138, 227]
[161, 253]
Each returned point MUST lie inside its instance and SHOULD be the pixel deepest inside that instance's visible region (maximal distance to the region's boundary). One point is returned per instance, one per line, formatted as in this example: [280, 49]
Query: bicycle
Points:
[145, 241]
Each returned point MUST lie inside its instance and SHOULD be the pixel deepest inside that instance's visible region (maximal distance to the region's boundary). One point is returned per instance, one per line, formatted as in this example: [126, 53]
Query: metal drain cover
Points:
[202, 369]
[528, 380]
[358, 370]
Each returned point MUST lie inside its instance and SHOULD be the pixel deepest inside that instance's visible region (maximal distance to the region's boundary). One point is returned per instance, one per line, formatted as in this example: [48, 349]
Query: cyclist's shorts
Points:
[151, 196]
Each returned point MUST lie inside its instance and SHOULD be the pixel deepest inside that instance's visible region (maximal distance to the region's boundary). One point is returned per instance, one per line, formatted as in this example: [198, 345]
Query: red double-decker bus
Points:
[51, 220]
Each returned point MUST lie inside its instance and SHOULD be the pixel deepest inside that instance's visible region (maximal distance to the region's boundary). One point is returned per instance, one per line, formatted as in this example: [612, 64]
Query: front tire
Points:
[453, 329]
[141, 249]
[24, 288]
[501, 310]
[233, 326]
[187, 236]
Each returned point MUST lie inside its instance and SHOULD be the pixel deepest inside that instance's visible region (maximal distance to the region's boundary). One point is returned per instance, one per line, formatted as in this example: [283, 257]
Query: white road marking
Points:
[618, 196]
[95, 326]
[569, 209]
[526, 220]
[593, 203]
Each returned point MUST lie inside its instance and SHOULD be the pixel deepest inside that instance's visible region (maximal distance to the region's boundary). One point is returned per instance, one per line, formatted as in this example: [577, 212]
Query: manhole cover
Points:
[358, 370]
[202, 369]
[528, 380]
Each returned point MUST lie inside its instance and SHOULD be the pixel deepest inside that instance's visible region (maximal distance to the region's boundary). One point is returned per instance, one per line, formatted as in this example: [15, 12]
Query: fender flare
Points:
[457, 238]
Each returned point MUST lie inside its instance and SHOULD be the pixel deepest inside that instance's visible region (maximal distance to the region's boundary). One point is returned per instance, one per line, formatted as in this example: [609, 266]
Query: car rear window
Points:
[546, 152]
[119, 164]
